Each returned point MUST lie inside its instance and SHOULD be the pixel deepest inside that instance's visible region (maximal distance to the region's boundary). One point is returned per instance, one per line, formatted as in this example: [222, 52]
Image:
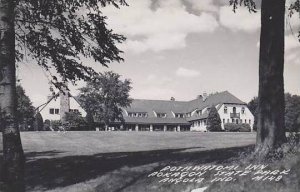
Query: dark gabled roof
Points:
[213, 100]
[170, 107]
[165, 106]
[157, 106]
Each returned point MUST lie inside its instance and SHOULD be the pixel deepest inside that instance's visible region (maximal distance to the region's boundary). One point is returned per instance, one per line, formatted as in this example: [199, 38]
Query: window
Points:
[234, 110]
[232, 120]
[56, 111]
[241, 121]
[74, 110]
[225, 109]
[199, 112]
[245, 120]
[243, 110]
[161, 115]
[227, 120]
[249, 121]
[51, 111]
[179, 115]
[223, 121]
[137, 114]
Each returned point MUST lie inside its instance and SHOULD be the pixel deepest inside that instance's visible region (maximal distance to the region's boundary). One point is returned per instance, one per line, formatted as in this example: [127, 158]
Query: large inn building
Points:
[163, 115]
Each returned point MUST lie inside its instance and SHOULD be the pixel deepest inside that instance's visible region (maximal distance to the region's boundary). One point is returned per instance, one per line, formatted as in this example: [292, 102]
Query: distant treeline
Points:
[292, 112]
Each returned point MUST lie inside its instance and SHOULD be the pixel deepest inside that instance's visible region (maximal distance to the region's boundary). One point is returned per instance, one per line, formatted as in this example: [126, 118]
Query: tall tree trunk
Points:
[270, 125]
[13, 156]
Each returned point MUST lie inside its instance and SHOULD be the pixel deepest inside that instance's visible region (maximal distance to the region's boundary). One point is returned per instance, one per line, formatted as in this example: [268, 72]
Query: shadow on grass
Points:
[52, 172]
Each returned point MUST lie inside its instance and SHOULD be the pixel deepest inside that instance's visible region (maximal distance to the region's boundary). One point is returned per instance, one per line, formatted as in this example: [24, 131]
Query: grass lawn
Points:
[122, 161]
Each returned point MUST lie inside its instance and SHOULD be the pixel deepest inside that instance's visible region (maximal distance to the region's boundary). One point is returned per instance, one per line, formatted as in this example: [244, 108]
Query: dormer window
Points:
[161, 115]
[199, 112]
[139, 114]
[179, 115]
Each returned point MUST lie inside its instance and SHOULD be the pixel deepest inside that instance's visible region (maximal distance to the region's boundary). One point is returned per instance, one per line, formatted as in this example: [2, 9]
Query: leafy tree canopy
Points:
[25, 109]
[105, 96]
[291, 114]
[75, 120]
[57, 34]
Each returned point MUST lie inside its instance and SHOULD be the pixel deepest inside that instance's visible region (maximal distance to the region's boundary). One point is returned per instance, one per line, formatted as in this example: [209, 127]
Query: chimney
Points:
[204, 97]
[64, 104]
[172, 99]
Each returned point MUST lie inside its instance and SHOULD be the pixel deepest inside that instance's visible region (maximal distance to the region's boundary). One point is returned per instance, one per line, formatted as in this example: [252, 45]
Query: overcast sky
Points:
[182, 48]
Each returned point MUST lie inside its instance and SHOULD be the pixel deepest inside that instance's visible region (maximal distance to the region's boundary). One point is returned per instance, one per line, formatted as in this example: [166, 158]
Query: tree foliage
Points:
[38, 122]
[292, 9]
[25, 109]
[252, 105]
[58, 34]
[291, 114]
[105, 96]
[213, 120]
[75, 121]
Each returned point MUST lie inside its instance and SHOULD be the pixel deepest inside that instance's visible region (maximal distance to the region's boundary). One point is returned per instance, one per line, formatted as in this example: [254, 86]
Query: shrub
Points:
[213, 120]
[232, 127]
[75, 122]
[54, 124]
[47, 124]
[244, 127]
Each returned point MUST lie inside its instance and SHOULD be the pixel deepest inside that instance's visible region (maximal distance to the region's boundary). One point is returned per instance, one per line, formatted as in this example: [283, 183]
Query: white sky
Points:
[182, 48]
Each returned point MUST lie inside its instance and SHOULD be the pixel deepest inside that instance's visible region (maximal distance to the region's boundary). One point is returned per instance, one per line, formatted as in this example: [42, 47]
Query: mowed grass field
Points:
[90, 143]
[120, 161]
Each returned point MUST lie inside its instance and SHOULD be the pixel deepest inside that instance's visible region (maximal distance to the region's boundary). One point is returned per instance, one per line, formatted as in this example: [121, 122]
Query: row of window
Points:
[237, 121]
[159, 115]
[203, 122]
[53, 111]
[234, 110]
[182, 115]
[137, 115]
[198, 113]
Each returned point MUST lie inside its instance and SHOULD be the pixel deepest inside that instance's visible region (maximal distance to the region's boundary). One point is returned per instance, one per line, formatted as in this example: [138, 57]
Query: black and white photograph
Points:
[149, 95]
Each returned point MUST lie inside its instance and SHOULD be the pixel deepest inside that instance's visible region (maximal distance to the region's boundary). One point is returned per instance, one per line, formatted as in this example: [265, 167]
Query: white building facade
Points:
[59, 104]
